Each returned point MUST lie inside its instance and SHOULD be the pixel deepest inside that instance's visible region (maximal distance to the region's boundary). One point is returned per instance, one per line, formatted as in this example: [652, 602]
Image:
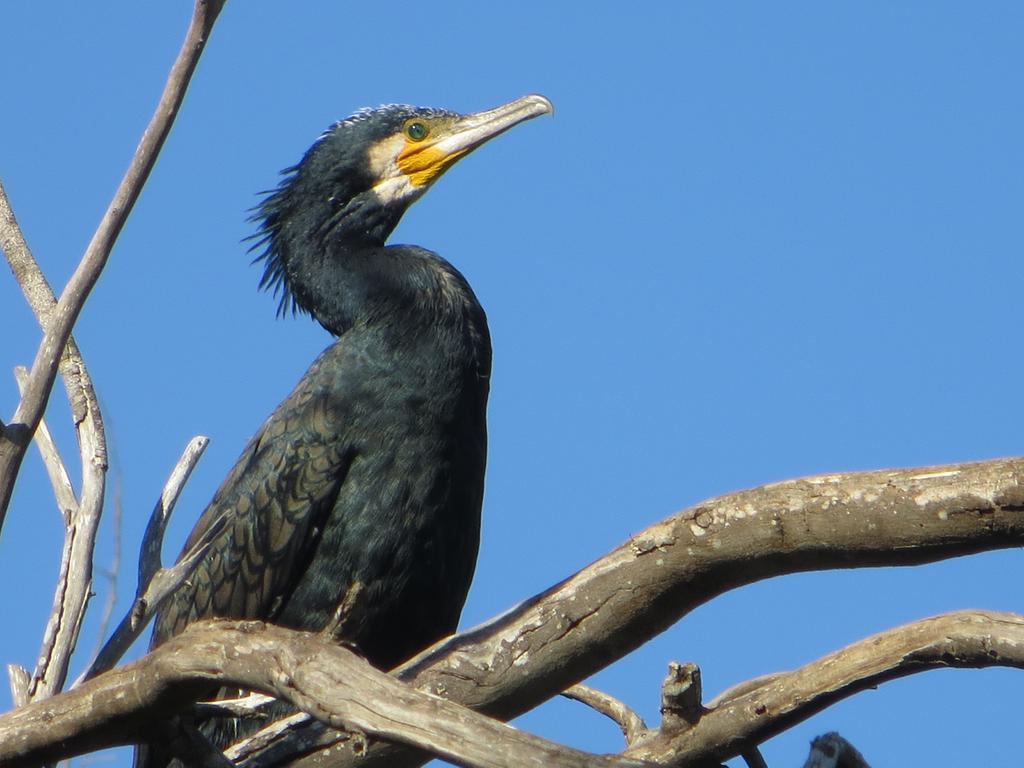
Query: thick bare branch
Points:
[967, 639]
[564, 635]
[343, 691]
[313, 673]
[63, 317]
[892, 517]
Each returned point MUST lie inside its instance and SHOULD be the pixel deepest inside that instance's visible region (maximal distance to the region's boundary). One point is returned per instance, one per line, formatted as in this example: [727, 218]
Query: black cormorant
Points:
[356, 507]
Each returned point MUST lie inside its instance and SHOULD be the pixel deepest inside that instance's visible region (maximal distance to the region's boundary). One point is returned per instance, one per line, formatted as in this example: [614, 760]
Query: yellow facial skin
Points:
[421, 159]
[428, 145]
[422, 164]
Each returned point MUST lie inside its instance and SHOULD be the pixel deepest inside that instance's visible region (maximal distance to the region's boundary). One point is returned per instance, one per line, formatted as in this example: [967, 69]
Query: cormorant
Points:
[356, 506]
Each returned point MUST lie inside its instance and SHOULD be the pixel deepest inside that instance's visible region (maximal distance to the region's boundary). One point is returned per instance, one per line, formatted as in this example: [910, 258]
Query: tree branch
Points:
[63, 491]
[65, 313]
[527, 655]
[630, 723]
[156, 583]
[111, 575]
[342, 690]
[150, 557]
[20, 680]
[59, 351]
[311, 672]
[564, 635]
[81, 517]
[966, 639]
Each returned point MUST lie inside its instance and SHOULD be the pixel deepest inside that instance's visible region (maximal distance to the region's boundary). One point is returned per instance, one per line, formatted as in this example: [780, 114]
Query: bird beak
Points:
[470, 131]
[424, 162]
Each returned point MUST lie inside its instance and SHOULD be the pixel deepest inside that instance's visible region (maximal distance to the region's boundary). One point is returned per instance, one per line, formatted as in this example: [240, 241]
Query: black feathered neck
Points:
[318, 227]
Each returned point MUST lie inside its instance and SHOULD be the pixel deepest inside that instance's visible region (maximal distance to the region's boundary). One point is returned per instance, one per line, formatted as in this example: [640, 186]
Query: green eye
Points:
[416, 130]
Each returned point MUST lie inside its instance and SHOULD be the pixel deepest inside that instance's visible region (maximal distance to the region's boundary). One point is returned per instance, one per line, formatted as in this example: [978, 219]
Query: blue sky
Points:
[756, 241]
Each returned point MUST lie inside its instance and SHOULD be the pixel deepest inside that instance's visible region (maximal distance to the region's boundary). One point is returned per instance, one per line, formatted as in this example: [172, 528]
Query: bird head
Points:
[352, 186]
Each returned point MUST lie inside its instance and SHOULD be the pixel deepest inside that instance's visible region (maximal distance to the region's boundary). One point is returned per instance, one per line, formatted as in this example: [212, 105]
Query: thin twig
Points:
[60, 624]
[44, 367]
[153, 540]
[20, 680]
[111, 573]
[241, 706]
[632, 725]
[63, 491]
[156, 584]
[23, 264]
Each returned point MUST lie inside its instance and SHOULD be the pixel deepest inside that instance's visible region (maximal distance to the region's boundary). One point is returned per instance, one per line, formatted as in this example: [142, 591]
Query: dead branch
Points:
[319, 676]
[682, 693]
[150, 557]
[81, 523]
[966, 639]
[342, 690]
[156, 583]
[523, 657]
[110, 574]
[564, 635]
[56, 469]
[81, 517]
[240, 706]
[62, 317]
[630, 723]
[58, 351]
[19, 679]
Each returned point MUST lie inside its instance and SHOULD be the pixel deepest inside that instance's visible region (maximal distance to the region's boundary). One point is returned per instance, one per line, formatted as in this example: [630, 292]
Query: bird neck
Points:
[323, 251]
[403, 287]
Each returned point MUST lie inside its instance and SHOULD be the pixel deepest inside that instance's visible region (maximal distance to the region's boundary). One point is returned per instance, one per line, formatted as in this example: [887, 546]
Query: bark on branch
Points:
[342, 690]
[313, 673]
[542, 647]
[966, 639]
[562, 636]
[81, 515]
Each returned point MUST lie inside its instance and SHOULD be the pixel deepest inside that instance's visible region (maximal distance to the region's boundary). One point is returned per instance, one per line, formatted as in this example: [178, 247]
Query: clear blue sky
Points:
[757, 241]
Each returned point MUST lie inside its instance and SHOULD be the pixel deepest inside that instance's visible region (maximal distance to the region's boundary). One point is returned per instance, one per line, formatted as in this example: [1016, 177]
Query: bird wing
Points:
[273, 503]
